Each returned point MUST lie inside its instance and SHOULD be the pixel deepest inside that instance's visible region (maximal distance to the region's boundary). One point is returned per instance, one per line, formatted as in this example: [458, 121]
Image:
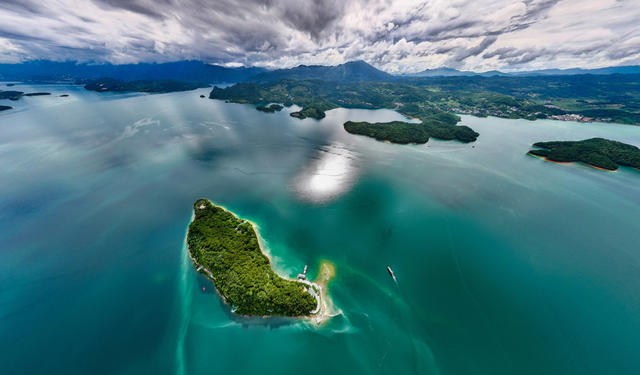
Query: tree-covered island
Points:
[11, 95]
[438, 124]
[227, 249]
[598, 152]
[311, 112]
[5, 107]
[270, 109]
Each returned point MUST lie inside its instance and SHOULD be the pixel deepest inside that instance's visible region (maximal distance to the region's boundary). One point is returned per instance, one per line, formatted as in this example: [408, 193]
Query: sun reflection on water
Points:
[330, 173]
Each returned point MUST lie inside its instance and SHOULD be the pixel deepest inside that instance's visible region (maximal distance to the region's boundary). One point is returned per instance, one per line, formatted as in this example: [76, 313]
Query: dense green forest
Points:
[614, 97]
[599, 152]
[270, 109]
[588, 98]
[439, 126]
[395, 132]
[318, 96]
[312, 112]
[229, 248]
[154, 86]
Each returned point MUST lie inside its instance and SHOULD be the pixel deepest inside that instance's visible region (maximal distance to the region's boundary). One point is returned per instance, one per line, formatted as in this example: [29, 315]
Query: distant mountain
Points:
[629, 69]
[349, 72]
[450, 72]
[188, 71]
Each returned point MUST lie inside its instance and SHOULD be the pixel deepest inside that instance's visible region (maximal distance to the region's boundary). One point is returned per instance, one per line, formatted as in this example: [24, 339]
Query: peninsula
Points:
[227, 250]
[598, 152]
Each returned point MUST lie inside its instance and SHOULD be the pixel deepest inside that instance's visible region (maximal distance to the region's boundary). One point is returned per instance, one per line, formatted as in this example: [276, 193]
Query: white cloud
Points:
[394, 35]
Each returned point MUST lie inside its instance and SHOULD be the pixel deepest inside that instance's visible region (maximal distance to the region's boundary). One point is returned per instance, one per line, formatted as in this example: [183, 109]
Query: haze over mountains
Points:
[190, 71]
[450, 72]
[197, 71]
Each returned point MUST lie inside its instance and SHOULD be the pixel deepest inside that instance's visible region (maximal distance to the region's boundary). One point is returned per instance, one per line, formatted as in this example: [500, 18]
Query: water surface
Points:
[505, 263]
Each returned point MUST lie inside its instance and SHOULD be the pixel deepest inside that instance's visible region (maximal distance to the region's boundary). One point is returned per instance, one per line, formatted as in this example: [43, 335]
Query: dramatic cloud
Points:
[395, 35]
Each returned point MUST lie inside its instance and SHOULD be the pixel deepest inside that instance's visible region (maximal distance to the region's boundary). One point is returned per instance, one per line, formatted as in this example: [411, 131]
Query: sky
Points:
[394, 35]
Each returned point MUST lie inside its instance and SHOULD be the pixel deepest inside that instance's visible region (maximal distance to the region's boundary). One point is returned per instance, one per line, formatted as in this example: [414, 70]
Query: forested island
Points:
[227, 249]
[311, 112]
[16, 95]
[270, 109]
[598, 152]
[150, 86]
[11, 95]
[404, 132]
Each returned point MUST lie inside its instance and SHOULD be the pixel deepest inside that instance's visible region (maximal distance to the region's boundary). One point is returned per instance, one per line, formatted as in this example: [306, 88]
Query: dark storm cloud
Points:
[475, 50]
[395, 35]
[147, 7]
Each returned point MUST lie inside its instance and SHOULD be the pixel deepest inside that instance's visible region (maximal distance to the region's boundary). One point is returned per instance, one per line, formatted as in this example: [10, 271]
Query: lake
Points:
[505, 263]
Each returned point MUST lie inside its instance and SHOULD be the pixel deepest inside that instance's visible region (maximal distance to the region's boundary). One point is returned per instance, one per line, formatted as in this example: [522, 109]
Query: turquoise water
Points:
[505, 263]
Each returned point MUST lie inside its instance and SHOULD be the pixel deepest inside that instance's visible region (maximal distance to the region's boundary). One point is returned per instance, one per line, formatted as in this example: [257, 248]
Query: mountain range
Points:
[350, 72]
[189, 71]
[197, 71]
[450, 72]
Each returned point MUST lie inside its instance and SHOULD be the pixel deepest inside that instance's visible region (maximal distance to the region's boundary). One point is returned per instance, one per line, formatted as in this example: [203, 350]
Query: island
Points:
[227, 250]
[311, 112]
[150, 86]
[37, 94]
[5, 107]
[11, 95]
[270, 109]
[435, 126]
[597, 152]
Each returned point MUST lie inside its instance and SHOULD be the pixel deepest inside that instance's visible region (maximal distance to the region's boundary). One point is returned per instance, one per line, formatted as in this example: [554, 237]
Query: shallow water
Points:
[505, 263]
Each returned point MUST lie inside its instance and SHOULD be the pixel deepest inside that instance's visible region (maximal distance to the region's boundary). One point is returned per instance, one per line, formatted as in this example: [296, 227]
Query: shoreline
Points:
[572, 162]
[322, 314]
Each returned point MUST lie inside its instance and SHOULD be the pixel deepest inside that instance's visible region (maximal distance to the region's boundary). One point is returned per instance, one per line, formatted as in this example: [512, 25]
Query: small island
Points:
[438, 125]
[227, 250]
[312, 112]
[597, 152]
[37, 94]
[150, 86]
[270, 109]
[5, 107]
[11, 95]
